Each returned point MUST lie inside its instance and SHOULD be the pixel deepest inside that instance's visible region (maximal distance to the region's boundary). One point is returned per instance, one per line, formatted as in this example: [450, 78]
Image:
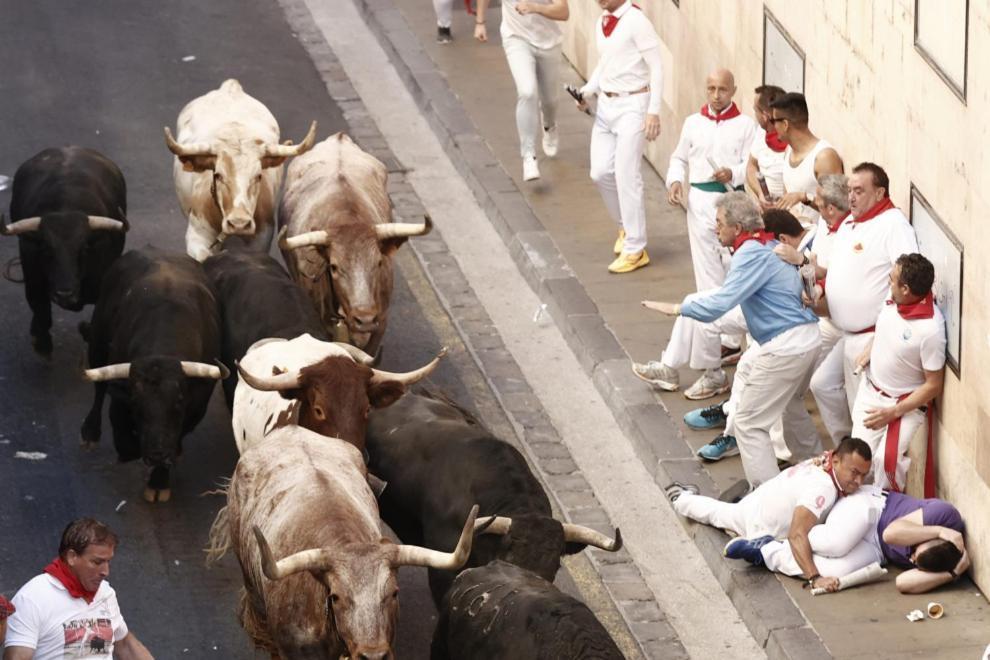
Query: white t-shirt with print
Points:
[903, 350]
[60, 627]
[805, 484]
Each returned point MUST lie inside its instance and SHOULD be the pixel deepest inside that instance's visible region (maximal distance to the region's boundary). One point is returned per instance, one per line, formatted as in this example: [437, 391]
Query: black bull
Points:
[155, 339]
[66, 248]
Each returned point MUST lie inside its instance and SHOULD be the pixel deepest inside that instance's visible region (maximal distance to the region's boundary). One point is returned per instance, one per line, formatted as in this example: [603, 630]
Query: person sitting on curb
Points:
[769, 292]
[787, 506]
[924, 536]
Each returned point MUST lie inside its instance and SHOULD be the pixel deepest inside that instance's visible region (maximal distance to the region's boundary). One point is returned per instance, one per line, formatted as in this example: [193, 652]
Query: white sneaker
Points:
[551, 140]
[531, 169]
[658, 374]
[711, 383]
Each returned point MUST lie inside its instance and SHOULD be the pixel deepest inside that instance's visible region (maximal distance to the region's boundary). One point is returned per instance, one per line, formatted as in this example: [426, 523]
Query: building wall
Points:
[873, 96]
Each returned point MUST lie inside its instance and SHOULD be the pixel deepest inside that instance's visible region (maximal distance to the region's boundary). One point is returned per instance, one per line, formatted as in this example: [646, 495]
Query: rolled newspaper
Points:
[866, 574]
[808, 277]
[715, 168]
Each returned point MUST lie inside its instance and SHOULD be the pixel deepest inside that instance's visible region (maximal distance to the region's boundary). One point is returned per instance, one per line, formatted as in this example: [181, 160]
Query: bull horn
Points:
[316, 559]
[286, 150]
[304, 240]
[109, 372]
[403, 229]
[19, 227]
[499, 525]
[203, 370]
[411, 555]
[409, 377]
[102, 222]
[286, 381]
[588, 536]
[192, 149]
[356, 353]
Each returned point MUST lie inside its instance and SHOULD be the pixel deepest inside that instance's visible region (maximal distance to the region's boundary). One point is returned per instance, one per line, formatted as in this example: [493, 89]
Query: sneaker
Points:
[735, 492]
[711, 383]
[721, 447]
[659, 374]
[627, 263]
[551, 140]
[676, 489]
[619, 242]
[531, 169]
[443, 35]
[702, 419]
[730, 356]
[748, 549]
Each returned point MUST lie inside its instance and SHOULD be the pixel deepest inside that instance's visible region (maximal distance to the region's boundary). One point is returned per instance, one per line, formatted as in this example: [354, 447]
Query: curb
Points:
[569, 491]
[768, 611]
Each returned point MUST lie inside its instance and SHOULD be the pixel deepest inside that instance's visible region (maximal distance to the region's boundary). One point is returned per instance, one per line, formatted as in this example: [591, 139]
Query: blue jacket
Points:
[767, 289]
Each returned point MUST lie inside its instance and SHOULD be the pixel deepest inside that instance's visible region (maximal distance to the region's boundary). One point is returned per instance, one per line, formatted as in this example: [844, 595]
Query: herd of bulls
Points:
[319, 430]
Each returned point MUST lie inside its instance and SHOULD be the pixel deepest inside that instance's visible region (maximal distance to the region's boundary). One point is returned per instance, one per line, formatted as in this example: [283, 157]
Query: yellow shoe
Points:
[626, 263]
[619, 242]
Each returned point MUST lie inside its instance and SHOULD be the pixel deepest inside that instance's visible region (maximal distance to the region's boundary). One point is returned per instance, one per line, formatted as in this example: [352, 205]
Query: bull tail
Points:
[219, 542]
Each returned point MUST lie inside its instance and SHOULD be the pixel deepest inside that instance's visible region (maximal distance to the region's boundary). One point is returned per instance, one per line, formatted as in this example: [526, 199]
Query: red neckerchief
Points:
[774, 142]
[6, 608]
[827, 462]
[923, 309]
[838, 223]
[609, 21]
[59, 570]
[728, 113]
[884, 204]
[758, 235]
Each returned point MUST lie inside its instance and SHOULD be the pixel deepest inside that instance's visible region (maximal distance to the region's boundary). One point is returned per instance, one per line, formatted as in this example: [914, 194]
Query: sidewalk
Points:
[561, 238]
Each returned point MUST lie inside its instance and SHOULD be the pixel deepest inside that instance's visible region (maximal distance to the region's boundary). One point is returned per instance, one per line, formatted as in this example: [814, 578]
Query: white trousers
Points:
[536, 72]
[617, 142]
[698, 345]
[833, 383]
[773, 387]
[780, 448]
[751, 517]
[846, 542]
[444, 10]
[710, 259]
[869, 399]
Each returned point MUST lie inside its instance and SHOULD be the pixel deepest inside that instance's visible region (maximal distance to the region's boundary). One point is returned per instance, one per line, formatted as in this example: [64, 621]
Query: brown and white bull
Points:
[319, 578]
[339, 238]
[323, 386]
[228, 168]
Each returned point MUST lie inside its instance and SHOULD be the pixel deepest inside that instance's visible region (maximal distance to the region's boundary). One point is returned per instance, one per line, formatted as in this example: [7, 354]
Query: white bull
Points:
[228, 168]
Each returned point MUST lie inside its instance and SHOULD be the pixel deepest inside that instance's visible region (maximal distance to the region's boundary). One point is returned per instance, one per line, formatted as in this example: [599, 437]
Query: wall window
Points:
[941, 36]
[944, 250]
[783, 60]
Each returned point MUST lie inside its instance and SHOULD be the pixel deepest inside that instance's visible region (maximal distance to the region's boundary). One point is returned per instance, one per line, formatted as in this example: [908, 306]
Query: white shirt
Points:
[770, 162]
[863, 254]
[727, 143]
[903, 350]
[58, 626]
[801, 178]
[804, 484]
[629, 57]
[538, 30]
[824, 240]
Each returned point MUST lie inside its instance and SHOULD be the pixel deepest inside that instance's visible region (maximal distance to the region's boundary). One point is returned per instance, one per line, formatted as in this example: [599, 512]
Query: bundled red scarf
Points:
[834, 228]
[6, 608]
[773, 141]
[884, 204]
[830, 471]
[609, 21]
[923, 309]
[759, 235]
[59, 570]
[728, 113]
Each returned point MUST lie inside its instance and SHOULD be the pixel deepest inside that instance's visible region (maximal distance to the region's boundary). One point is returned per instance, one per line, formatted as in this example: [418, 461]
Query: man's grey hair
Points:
[835, 190]
[740, 210]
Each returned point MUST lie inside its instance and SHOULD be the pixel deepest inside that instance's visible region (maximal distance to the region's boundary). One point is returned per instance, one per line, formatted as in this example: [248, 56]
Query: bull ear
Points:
[389, 246]
[292, 394]
[198, 163]
[272, 161]
[572, 548]
[382, 395]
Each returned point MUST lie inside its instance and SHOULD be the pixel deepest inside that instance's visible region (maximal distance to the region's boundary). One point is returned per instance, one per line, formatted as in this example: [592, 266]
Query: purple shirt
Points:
[933, 512]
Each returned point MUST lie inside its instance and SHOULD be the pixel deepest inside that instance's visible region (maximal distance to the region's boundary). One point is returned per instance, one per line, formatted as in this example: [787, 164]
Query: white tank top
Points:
[802, 179]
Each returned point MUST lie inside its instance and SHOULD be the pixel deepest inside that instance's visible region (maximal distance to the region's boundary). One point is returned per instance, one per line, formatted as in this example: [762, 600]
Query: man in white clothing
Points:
[766, 156]
[629, 82]
[70, 611]
[905, 368]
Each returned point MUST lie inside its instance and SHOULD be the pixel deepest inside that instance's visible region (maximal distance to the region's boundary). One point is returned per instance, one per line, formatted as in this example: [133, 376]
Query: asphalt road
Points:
[109, 75]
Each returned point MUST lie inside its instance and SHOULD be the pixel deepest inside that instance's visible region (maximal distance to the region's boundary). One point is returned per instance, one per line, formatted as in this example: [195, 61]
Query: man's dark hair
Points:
[780, 221]
[767, 94]
[82, 533]
[793, 107]
[880, 178]
[850, 445]
[917, 273]
[939, 557]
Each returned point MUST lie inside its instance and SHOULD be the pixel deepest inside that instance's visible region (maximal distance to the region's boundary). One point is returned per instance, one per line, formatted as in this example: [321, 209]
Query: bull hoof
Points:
[152, 495]
[42, 345]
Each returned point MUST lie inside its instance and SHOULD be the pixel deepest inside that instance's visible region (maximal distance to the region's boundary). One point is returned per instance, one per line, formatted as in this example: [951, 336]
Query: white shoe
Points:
[711, 383]
[531, 169]
[551, 140]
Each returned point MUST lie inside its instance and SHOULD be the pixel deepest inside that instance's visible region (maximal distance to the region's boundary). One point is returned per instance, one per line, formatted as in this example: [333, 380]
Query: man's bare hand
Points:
[526, 8]
[675, 194]
[480, 32]
[671, 309]
[765, 204]
[878, 418]
[787, 200]
[723, 175]
[953, 537]
[651, 127]
[807, 301]
[829, 584]
[789, 254]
